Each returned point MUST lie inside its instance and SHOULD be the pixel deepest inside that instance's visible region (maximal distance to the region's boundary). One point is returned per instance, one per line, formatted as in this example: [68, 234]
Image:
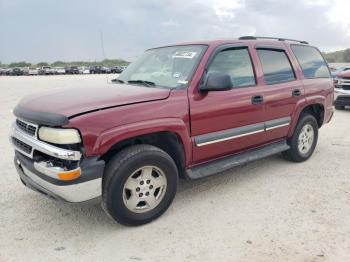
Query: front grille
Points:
[343, 98]
[348, 78]
[26, 127]
[22, 146]
[346, 87]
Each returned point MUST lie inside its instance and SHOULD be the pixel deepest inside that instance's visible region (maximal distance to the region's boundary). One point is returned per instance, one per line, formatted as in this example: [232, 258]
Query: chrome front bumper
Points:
[339, 91]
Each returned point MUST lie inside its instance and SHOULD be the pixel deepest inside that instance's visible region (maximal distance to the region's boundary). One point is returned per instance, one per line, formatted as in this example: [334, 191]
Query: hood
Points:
[62, 104]
[345, 73]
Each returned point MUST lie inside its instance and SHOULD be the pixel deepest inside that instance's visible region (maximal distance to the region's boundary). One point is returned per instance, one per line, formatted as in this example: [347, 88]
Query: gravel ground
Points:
[269, 210]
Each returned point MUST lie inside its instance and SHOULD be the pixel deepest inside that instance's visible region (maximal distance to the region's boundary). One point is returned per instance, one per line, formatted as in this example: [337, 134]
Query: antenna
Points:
[103, 50]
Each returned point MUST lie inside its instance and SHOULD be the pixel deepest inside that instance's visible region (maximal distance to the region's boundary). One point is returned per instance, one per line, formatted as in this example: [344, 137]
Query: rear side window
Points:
[237, 64]
[276, 66]
[311, 61]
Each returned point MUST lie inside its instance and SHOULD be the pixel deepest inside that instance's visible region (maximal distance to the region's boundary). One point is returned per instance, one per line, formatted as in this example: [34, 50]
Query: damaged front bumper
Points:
[33, 161]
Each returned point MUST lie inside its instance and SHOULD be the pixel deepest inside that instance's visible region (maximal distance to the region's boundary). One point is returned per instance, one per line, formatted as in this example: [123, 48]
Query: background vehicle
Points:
[105, 70]
[16, 71]
[342, 90]
[60, 70]
[84, 70]
[339, 70]
[33, 71]
[72, 70]
[3, 71]
[116, 70]
[182, 111]
[46, 70]
[25, 70]
[96, 70]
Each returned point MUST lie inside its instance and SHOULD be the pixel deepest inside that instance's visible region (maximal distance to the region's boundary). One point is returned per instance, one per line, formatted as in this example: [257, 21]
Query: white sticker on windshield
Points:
[184, 54]
[182, 82]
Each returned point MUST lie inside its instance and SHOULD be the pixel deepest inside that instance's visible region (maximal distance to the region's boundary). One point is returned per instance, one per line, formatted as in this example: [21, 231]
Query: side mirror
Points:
[216, 82]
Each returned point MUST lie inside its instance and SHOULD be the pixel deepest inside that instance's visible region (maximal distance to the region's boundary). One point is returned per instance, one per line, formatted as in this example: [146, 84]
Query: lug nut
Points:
[150, 187]
[137, 189]
[140, 195]
[148, 181]
[147, 193]
[141, 183]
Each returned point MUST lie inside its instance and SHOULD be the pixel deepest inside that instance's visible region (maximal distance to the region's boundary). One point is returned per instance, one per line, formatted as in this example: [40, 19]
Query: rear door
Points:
[282, 90]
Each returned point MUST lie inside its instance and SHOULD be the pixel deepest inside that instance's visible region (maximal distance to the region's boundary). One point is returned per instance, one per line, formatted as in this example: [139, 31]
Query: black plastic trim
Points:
[277, 122]
[201, 139]
[240, 131]
[40, 118]
[269, 47]
[226, 163]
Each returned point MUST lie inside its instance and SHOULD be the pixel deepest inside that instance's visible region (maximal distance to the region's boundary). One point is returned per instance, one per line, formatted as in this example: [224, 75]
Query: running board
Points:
[228, 162]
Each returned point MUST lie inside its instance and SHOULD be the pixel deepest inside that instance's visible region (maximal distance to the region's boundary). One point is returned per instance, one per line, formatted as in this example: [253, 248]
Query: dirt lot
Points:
[270, 210]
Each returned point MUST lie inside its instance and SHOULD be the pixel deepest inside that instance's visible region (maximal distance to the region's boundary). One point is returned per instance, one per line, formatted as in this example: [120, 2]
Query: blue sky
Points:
[50, 30]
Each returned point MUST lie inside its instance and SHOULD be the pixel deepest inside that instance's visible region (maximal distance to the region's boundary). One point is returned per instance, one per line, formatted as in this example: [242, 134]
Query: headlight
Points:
[59, 135]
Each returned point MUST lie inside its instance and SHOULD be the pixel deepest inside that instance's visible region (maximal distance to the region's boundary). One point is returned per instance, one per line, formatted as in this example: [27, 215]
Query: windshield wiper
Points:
[143, 82]
[116, 80]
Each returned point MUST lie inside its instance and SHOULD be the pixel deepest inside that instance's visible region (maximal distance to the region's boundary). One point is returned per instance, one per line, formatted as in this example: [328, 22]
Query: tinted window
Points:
[237, 64]
[311, 61]
[276, 66]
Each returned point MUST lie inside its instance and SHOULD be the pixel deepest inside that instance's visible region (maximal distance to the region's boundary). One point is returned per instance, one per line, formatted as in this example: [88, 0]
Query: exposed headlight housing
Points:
[59, 135]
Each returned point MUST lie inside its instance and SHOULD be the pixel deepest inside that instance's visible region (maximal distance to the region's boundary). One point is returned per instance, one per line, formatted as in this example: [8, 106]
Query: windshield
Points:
[167, 67]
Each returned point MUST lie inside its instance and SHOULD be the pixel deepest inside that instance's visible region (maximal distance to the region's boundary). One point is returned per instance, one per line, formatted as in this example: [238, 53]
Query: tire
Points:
[339, 107]
[134, 165]
[301, 152]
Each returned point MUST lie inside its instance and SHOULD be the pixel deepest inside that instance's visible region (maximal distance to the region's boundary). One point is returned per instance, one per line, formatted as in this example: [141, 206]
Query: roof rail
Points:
[266, 37]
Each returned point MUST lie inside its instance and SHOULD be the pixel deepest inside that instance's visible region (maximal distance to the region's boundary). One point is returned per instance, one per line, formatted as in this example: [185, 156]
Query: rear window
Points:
[311, 62]
[276, 66]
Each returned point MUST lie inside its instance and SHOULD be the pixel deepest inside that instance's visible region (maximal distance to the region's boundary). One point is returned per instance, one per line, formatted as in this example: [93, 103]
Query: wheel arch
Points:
[173, 139]
[314, 107]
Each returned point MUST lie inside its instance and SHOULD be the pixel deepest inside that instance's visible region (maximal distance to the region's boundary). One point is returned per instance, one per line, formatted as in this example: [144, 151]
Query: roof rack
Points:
[266, 37]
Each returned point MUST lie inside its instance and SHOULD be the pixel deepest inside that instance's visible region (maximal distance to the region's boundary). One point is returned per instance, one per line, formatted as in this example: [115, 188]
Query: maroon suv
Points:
[189, 110]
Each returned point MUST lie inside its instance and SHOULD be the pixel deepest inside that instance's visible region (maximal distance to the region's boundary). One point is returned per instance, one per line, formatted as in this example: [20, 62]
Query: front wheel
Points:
[139, 184]
[304, 139]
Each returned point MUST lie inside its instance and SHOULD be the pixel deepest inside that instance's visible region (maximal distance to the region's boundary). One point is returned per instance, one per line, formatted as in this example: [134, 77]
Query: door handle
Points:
[296, 92]
[256, 100]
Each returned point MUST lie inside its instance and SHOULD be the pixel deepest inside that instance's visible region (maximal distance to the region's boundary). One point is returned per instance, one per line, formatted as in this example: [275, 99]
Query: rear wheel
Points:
[304, 140]
[139, 184]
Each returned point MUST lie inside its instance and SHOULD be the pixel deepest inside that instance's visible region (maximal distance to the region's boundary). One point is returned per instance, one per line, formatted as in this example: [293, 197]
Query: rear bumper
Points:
[87, 188]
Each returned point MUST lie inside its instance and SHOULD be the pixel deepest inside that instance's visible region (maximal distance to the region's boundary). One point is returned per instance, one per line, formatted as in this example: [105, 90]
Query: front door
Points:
[225, 122]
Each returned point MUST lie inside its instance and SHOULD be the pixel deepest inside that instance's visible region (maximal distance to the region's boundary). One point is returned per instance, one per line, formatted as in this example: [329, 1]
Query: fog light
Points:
[69, 175]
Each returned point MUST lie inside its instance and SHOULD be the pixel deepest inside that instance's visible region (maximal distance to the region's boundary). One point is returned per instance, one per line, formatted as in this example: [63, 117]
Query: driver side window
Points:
[235, 63]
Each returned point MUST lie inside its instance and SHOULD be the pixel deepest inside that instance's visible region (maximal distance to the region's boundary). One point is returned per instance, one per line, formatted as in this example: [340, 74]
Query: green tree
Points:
[20, 64]
[42, 64]
[346, 56]
[59, 63]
